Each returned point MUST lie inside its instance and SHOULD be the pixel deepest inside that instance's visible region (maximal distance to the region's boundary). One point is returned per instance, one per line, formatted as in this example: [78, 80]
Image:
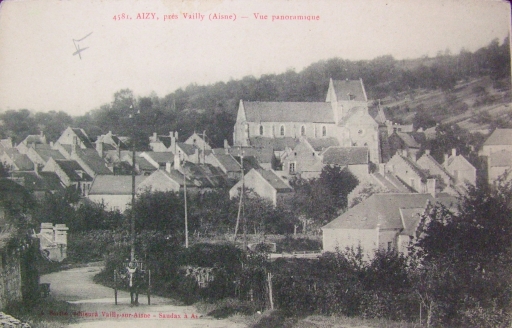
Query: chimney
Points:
[51, 144]
[73, 146]
[173, 142]
[445, 163]
[454, 152]
[196, 156]
[177, 161]
[154, 137]
[99, 147]
[431, 187]
[168, 167]
[382, 168]
[427, 151]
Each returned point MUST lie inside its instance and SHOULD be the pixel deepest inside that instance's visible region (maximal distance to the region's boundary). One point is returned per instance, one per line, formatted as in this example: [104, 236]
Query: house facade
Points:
[264, 183]
[374, 224]
[498, 151]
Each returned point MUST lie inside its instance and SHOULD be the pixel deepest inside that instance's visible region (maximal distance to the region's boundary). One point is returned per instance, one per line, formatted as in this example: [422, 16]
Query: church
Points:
[343, 116]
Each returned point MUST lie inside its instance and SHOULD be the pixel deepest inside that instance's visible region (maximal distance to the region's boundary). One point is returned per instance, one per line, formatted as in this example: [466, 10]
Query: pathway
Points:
[97, 308]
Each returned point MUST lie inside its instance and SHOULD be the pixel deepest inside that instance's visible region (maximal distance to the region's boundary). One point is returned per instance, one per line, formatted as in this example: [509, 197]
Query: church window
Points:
[303, 130]
[282, 130]
[324, 131]
[261, 130]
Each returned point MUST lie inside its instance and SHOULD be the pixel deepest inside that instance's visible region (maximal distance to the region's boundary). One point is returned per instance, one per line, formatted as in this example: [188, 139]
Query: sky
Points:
[38, 70]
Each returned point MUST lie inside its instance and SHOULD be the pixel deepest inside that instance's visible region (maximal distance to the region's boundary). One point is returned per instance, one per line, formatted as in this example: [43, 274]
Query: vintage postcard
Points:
[235, 163]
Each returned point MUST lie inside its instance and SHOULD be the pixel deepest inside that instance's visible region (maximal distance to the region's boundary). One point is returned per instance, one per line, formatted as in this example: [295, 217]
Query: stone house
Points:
[433, 168]
[264, 183]
[404, 142]
[408, 172]
[70, 173]
[498, 151]
[114, 191]
[75, 136]
[30, 141]
[460, 169]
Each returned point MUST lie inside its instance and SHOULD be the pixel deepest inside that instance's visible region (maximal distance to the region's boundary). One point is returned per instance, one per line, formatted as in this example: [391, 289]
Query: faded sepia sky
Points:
[39, 72]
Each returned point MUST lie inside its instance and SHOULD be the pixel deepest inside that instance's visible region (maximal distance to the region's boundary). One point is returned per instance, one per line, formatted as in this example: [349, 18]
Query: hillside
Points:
[477, 105]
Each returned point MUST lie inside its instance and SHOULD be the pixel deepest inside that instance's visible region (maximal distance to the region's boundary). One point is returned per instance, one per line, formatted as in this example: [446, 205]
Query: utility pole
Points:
[185, 194]
[240, 206]
[204, 146]
[242, 199]
[132, 222]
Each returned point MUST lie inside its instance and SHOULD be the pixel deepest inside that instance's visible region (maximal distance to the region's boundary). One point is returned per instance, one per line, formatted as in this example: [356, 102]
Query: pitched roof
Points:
[319, 144]
[157, 177]
[188, 149]
[262, 155]
[318, 112]
[276, 144]
[499, 137]
[161, 157]
[381, 210]
[93, 160]
[411, 218]
[48, 181]
[71, 168]
[34, 139]
[349, 90]
[274, 180]
[166, 140]
[205, 175]
[229, 163]
[408, 140]
[345, 155]
[418, 170]
[114, 184]
[6, 143]
[432, 160]
[501, 158]
[23, 162]
[250, 162]
[46, 154]
[80, 133]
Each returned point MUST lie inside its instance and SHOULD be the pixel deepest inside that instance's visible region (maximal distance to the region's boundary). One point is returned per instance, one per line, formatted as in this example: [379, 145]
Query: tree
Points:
[318, 201]
[463, 259]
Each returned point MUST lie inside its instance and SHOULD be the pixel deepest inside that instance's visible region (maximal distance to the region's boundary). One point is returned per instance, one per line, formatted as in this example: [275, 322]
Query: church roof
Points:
[349, 90]
[317, 112]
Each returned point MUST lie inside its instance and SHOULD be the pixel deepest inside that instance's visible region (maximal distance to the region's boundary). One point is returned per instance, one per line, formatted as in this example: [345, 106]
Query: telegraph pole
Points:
[185, 193]
[132, 222]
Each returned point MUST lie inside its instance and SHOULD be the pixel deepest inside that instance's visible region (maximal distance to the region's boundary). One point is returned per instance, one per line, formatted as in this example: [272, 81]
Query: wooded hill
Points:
[436, 88]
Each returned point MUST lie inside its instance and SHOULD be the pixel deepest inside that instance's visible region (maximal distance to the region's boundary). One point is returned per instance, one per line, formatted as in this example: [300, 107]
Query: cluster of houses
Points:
[273, 142]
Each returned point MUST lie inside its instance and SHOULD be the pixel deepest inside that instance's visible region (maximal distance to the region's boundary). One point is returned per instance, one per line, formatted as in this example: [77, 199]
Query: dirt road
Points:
[97, 307]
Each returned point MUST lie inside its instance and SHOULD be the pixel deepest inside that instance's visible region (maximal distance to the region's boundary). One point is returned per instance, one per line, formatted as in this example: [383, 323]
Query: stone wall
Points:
[10, 277]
